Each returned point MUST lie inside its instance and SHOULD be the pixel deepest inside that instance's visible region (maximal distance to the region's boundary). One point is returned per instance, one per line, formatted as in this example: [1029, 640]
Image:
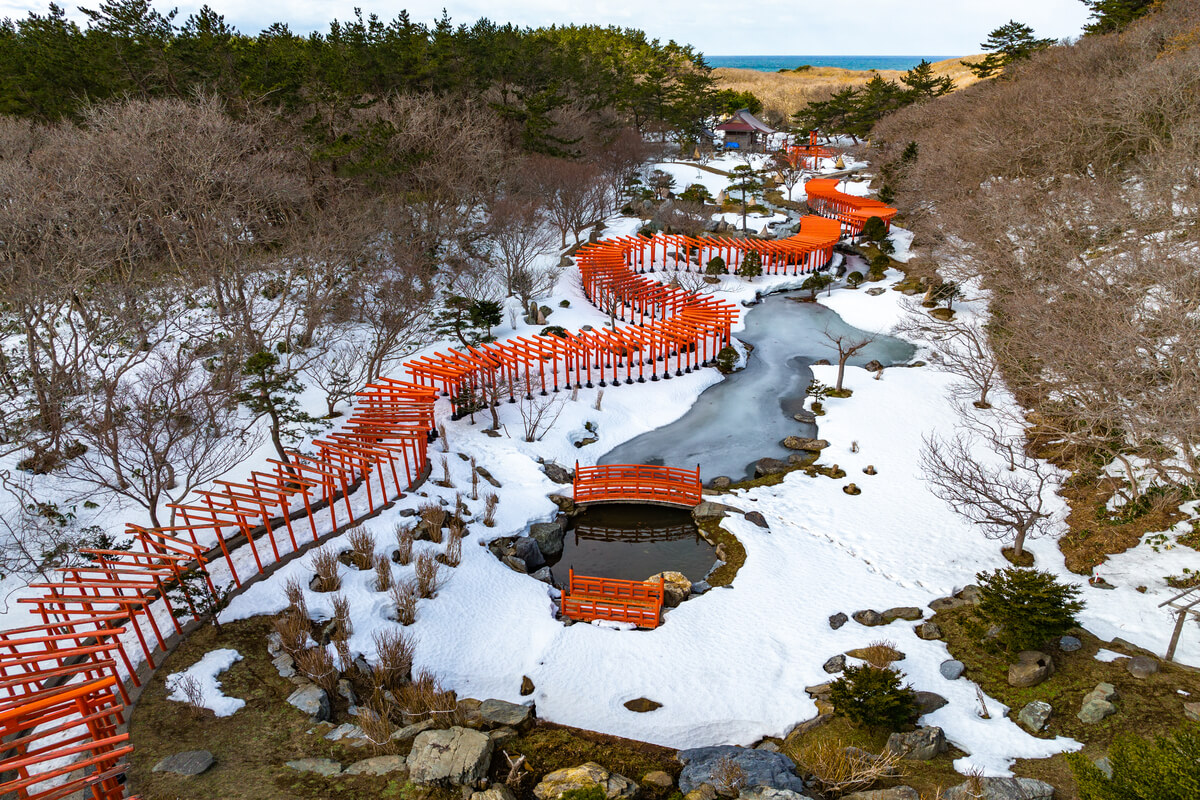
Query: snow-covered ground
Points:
[204, 674]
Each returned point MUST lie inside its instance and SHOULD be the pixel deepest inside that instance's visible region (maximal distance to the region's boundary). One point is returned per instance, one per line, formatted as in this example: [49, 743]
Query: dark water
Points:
[633, 542]
[744, 418]
[776, 63]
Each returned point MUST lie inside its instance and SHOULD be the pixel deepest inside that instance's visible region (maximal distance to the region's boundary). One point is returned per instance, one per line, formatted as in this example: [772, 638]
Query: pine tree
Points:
[1113, 15]
[1031, 607]
[873, 697]
[746, 181]
[751, 266]
[271, 391]
[1011, 42]
[923, 84]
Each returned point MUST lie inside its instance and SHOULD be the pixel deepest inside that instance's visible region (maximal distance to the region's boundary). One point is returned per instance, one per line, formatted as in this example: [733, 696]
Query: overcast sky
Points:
[716, 27]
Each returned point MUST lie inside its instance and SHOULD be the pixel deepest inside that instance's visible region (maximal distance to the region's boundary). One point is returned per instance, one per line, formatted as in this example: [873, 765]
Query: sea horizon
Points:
[773, 63]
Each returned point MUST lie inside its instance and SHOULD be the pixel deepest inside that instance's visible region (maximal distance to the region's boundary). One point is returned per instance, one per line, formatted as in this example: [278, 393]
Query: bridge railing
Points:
[637, 483]
[590, 598]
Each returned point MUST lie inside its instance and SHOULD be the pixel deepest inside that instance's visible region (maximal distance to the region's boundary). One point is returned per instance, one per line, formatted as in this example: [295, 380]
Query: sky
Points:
[715, 27]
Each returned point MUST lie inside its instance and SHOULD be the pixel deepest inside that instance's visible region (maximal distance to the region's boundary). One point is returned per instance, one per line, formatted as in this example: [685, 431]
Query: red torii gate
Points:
[853, 212]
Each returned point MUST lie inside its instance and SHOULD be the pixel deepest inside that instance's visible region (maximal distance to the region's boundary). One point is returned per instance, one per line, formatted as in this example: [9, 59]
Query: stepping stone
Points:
[191, 762]
[321, 766]
[379, 765]
[952, 670]
[1142, 666]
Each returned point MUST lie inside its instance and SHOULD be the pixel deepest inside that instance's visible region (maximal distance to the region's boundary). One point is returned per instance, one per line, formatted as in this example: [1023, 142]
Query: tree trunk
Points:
[841, 372]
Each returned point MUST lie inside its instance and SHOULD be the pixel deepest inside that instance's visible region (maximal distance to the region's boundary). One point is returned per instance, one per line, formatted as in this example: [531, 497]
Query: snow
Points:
[902, 240]
[205, 672]
[1108, 656]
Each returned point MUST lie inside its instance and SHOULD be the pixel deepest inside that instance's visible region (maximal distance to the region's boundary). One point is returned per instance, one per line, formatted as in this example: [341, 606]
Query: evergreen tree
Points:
[270, 390]
[751, 266]
[923, 84]
[1011, 42]
[1167, 768]
[746, 181]
[468, 320]
[1031, 607]
[873, 697]
[1113, 15]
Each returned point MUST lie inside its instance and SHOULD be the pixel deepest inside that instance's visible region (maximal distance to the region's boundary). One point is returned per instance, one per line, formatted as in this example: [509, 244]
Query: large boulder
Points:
[929, 702]
[707, 509]
[1001, 789]
[529, 551]
[1035, 715]
[557, 473]
[458, 756]
[1032, 668]
[922, 744]
[769, 466]
[676, 587]
[500, 713]
[585, 776]
[760, 768]
[549, 537]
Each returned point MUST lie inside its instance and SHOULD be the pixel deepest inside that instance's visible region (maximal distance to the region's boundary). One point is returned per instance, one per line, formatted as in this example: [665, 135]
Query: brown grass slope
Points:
[785, 93]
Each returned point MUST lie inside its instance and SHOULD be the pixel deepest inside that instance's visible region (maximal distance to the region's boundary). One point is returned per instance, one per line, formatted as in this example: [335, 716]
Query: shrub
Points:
[1167, 768]
[428, 579]
[854, 279]
[362, 548]
[424, 698]
[394, 654]
[716, 266]
[585, 793]
[874, 229]
[873, 697]
[404, 545]
[383, 574]
[1030, 606]
[553, 330]
[317, 665]
[726, 359]
[880, 653]
[880, 262]
[404, 595]
[325, 565]
[836, 768]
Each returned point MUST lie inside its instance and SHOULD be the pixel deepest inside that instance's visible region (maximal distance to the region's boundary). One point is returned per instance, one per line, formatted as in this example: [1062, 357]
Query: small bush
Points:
[586, 793]
[854, 279]
[404, 545]
[404, 595]
[726, 359]
[880, 653]
[427, 572]
[553, 330]
[317, 665]
[294, 631]
[838, 769]
[751, 266]
[489, 511]
[434, 517]
[716, 266]
[394, 660]
[1031, 607]
[362, 548]
[325, 565]
[1167, 768]
[874, 698]
[383, 574]
[880, 262]
[874, 230]
[341, 617]
[564, 304]
[424, 698]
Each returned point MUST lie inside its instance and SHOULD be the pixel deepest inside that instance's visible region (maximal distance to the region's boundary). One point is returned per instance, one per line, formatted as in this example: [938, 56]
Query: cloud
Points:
[719, 27]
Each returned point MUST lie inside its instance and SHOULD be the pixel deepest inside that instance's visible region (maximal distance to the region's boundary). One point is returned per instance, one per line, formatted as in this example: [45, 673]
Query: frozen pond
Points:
[745, 417]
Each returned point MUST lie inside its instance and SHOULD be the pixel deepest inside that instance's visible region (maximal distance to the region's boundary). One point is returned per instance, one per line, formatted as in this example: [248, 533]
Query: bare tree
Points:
[573, 194]
[847, 347]
[37, 537]
[160, 433]
[1004, 492]
[790, 169]
[961, 346]
[521, 239]
[538, 414]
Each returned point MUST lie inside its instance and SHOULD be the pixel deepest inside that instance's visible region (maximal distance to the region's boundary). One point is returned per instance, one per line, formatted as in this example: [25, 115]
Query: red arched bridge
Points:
[637, 483]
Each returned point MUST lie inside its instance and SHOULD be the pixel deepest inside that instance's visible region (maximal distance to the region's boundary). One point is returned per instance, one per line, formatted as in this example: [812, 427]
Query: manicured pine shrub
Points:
[1031, 607]
[1167, 768]
[874, 698]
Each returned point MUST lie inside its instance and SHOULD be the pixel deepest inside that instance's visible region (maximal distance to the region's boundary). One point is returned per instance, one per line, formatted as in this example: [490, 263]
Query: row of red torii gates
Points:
[64, 682]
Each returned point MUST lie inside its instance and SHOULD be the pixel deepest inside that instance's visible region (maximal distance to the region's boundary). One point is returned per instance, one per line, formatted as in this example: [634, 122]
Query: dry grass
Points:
[297, 601]
[837, 769]
[341, 617]
[446, 482]
[424, 698]
[404, 545]
[489, 511]
[728, 777]
[317, 665]
[441, 429]
[193, 694]
[404, 595]
[362, 548]
[453, 555]
[325, 563]
[394, 651]
[427, 573]
[880, 653]
[474, 480]
[378, 728]
[785, 93]
[383, 574]
[434, 517]
[294, 630]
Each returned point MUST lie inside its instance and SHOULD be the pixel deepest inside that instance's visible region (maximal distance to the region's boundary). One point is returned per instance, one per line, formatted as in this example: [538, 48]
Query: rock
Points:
[1001, 789]
[190, 762]
[838, 620]
[501, 737]
[544, 575]
[869, 469]
[919, 745]
[312, 700]
[585, 776]
[928, 630]
[1141, 666]
[769, 793]
[821, 362]
[1069, 644]
[804, 443]
[528, 550]
[819, 690]
[527, 686]
[867, 617]
[872, 366]
[641, 705]
[557, 473]
[566, 505]
[499, 713]
[720, 483]
[676, 587]
[1097, 704]
[769, 466]
[805, 416]
[700, 587]
[768, 745]
[1104, 765]
[875, 291]
[1035, 715]
[929, 702]
[379, 765]
[274, 643]
[835, 664]
[346, 692]
[946, 603]
[757, 518]
[706, 509]
[411, 731]
[347, 733]
[1192, 711]
[802, 728]
[658, 779]
[549, 538]
[952, 669]
[1032, 668]
[910, 613]
[321, 766]
[459, 756]
[514, 563]
[970, 593]
[760, 768]
[894, 793]
[701, 792]
[497, 791]
[284, 665]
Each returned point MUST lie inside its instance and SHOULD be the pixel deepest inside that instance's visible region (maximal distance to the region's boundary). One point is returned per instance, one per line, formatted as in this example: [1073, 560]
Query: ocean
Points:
[775, 63]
